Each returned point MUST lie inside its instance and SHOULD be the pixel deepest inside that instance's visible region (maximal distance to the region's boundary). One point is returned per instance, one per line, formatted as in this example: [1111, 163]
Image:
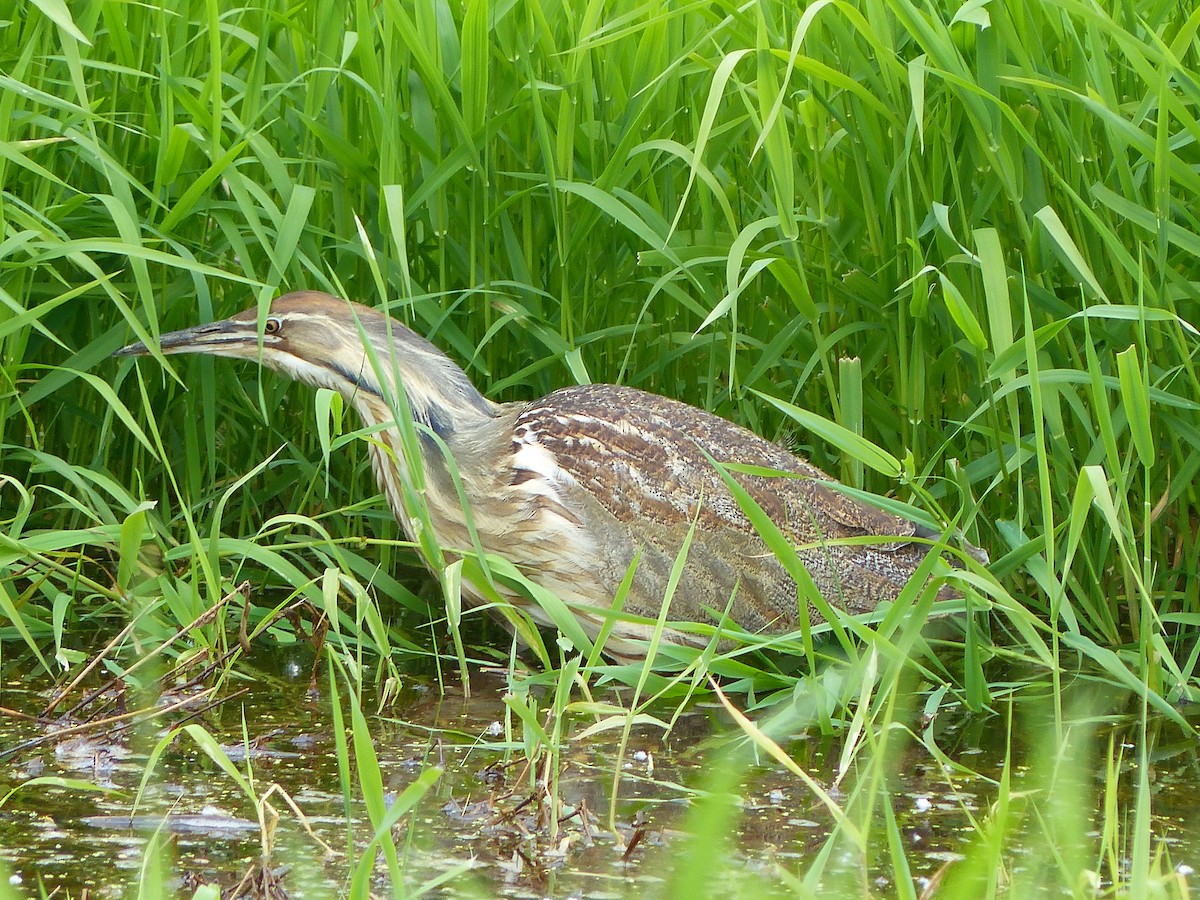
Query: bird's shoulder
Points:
[646, 457]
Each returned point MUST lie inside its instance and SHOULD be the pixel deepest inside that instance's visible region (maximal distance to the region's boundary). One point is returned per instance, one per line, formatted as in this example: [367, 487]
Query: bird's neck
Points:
[447, 442]
[400, 369]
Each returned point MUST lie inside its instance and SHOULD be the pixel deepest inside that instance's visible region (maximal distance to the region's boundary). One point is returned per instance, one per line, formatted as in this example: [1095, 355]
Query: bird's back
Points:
[634, 470]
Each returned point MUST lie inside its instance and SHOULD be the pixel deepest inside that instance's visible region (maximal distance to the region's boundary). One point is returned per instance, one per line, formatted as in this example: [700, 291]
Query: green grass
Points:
[963, 235]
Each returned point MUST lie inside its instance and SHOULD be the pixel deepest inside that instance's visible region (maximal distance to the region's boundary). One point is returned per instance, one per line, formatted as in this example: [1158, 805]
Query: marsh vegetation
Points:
[950, 253]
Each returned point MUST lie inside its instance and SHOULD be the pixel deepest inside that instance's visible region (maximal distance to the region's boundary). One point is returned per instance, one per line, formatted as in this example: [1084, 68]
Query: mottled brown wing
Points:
[640, 475]
[643, 457]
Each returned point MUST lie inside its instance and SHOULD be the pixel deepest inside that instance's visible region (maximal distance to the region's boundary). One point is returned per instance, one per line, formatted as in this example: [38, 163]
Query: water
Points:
[486, 824]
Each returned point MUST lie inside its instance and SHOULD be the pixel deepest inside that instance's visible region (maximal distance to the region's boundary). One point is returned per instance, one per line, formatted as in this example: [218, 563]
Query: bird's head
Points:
[323, 341]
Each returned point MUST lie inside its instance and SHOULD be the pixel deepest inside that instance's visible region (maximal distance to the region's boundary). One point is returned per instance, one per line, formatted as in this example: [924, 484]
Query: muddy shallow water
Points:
[484, 826]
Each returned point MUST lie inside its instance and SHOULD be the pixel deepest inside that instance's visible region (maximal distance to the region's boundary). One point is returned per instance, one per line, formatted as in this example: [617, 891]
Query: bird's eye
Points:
[273, 326]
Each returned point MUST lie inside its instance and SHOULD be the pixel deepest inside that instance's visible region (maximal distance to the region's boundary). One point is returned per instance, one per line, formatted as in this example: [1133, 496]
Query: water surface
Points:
[487, 824]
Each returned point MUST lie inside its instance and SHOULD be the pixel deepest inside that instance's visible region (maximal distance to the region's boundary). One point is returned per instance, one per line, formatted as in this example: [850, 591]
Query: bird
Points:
[586, 487]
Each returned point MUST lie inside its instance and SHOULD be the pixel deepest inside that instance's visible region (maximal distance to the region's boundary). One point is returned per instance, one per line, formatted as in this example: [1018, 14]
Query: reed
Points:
[963, 235]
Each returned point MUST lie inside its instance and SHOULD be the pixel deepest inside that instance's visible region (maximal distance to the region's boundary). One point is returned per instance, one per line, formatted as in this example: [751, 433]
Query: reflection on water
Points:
[484, 822]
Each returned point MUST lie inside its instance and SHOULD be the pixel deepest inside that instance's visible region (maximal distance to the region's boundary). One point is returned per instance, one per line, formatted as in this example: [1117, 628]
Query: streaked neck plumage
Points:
[368, 358]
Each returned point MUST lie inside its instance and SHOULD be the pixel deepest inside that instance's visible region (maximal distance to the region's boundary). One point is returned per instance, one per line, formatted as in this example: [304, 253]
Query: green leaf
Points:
[1067, 247]
[133, 530]
[1136, 399]
[56, 11]
[961, 313]
[842, 438]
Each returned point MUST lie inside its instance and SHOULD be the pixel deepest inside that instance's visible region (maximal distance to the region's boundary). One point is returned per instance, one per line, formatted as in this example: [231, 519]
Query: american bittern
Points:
[573, 487]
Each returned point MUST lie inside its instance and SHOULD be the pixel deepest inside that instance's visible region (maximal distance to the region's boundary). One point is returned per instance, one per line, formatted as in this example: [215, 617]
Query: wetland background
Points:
[964, 238]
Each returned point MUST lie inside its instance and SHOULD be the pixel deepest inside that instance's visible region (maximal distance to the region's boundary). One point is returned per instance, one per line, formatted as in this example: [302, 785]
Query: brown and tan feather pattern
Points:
[636, 462]
[572, 488]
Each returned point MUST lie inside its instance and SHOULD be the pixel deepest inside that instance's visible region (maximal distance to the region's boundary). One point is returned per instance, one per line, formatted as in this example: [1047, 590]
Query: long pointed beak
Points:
[229, 337]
